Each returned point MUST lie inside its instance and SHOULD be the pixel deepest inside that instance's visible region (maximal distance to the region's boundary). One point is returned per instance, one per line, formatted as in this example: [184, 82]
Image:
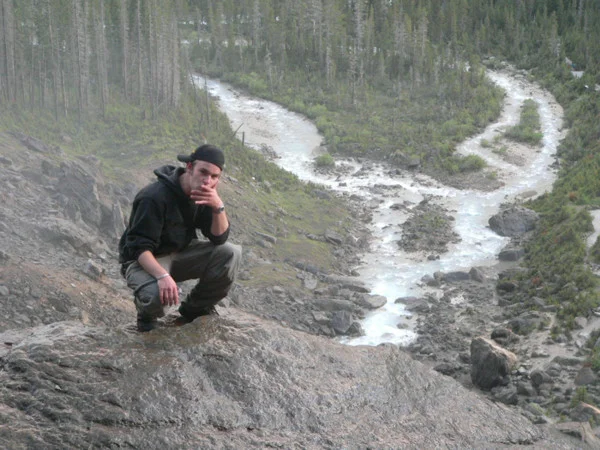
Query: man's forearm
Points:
[150, 264]
[219, 224]
[167, 287]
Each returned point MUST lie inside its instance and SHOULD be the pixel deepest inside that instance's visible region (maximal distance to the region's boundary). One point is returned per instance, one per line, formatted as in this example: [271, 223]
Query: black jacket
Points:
[164, 220]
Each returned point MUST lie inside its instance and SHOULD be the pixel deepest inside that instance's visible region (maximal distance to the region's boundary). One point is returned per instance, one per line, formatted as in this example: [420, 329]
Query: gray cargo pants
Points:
[215, 267]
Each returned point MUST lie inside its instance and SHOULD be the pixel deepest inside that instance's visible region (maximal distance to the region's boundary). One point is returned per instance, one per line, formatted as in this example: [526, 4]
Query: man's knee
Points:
[230, 256]
[147, 300]
[236, 254]
[229, 251]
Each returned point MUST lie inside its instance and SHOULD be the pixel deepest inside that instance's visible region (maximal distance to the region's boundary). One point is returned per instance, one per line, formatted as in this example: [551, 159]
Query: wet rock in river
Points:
[341, 321]
[369, 301]
[511, 254]
[514, 221]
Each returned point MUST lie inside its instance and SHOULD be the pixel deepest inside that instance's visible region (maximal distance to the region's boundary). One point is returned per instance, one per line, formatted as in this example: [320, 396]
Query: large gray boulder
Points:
[77, 236]
[513, 221]
[369, 301]
[235, 381]
[490, 363]
[85, 196]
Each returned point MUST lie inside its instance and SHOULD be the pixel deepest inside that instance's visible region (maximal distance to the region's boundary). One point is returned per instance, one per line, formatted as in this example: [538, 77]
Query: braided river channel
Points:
[385, 268]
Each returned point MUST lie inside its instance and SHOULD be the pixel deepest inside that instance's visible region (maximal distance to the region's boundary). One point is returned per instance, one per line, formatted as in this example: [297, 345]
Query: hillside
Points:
[95, 95]
[72, 367]
[62, 217]
[67, 330]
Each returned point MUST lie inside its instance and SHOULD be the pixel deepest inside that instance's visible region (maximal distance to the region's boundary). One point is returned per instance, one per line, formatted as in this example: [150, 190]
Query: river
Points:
[386, 269]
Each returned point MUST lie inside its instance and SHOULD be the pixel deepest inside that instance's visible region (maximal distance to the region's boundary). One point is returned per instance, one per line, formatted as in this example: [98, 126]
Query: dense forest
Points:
[321, 57]
[402, 80]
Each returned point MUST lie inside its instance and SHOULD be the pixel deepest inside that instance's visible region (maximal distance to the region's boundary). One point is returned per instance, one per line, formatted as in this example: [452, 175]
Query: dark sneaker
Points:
[191, 313]
[182, 320]
[144, 325]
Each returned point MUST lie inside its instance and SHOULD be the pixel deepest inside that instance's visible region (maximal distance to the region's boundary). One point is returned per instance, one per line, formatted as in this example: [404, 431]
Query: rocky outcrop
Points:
[235, 381]
[66, 385]
[430, 229]
[85, 197]
[75, 237]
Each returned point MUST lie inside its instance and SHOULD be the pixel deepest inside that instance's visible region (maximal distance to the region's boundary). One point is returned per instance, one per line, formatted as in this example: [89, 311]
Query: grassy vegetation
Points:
[557, 260]
[123, 138]
[462, 164]
[528, 131]
[423, 123]
[500, 150]
[324, 161]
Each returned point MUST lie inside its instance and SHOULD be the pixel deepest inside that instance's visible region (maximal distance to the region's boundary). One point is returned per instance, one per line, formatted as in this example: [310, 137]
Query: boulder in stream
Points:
[513, 221]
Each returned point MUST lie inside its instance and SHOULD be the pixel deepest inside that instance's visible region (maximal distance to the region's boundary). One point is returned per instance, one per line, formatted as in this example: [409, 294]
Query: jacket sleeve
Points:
[203, 221]
[145, 228]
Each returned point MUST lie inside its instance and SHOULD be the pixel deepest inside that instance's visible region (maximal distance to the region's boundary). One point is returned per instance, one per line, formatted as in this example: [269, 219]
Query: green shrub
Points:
[298, 106]
[324, 161]
[595, 252]
[462, 164]
[595, 361]
[492, 175]
[581, 395]
[471, 163]
[316, 111]
[528, 130]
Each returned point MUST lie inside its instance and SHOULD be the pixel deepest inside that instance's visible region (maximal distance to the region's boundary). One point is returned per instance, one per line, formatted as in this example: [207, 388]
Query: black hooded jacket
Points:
[164, 220]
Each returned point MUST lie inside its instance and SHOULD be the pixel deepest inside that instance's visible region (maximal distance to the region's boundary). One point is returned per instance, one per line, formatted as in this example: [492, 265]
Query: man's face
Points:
[203, 173]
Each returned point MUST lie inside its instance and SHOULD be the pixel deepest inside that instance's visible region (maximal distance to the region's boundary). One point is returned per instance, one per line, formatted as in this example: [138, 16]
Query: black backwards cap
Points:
[206, 152]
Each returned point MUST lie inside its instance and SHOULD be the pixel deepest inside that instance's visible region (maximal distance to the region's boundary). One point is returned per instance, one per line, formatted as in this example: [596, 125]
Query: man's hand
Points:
[209, 197]
[167, 288]
[206, 196]
[169, 293]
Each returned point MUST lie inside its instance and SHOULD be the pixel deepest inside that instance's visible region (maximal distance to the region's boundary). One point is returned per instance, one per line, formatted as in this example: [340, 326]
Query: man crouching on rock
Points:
[160, 247]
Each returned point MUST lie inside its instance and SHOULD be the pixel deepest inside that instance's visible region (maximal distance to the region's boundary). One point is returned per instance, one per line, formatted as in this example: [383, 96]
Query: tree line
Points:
[80, 55]
[408, 42]
[76, 56]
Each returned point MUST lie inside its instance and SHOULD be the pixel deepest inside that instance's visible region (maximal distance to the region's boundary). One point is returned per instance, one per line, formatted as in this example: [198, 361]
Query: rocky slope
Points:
[549, 378]
[236, 381]
[73, 373]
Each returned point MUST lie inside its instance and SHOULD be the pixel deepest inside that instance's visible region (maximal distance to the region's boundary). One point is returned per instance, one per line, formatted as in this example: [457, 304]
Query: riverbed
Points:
[388, 271]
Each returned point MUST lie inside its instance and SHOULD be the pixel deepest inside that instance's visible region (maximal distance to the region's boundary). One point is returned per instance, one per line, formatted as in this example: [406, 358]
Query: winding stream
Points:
[386, 269]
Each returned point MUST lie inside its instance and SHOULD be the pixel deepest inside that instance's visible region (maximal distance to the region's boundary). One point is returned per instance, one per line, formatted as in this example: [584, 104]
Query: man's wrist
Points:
[219, 210]
[164, 275]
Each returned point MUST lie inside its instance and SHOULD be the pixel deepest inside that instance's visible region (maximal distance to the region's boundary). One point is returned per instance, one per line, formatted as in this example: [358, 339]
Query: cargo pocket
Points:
[147, 299]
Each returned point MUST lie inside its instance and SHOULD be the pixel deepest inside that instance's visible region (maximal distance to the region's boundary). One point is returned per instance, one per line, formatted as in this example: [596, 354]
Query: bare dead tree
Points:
[139, 52]
[124, 32]
[101, 55]
[175, 65]
[9, 85]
